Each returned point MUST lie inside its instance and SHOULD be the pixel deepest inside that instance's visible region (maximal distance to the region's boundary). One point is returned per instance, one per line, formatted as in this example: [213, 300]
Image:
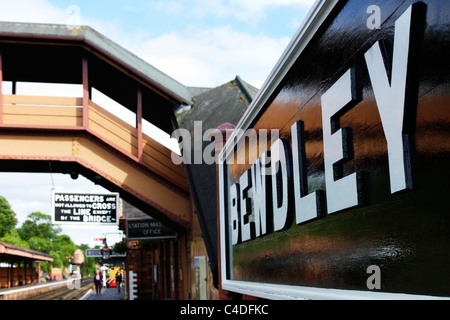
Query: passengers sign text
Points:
[74, 208]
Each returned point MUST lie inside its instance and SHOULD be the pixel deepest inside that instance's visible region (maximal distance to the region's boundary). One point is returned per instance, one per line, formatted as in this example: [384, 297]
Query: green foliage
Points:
[8, 219]
[120, 247]
[38, 233]
[65, 246]
[12, 237]
[40, 244]
[38, 225]
[88, 267]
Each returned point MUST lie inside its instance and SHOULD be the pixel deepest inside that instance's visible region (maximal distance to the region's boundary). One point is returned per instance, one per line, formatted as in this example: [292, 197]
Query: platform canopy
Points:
[11, 253]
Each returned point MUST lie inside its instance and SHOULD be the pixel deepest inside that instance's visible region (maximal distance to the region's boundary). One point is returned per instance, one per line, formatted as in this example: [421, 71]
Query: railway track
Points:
[67, 292]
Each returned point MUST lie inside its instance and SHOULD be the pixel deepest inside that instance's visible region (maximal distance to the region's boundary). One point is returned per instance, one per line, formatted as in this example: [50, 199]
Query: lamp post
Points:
[106, 251]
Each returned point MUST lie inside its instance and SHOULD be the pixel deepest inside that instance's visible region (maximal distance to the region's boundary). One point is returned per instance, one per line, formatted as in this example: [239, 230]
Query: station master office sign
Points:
[148, 229]
[85, 208]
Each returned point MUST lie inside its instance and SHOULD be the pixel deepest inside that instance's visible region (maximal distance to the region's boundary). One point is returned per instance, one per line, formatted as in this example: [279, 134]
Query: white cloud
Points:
[42, 11]
[249, 11]
[211, 56]
[170, 7]
[195, 56]
[30, 192]
[253, 11]
[36, 11]
[263, 4]
[204, 8]
[25, 193]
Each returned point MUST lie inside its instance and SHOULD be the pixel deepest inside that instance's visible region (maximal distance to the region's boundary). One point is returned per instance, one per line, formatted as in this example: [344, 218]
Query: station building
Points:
[22, 266]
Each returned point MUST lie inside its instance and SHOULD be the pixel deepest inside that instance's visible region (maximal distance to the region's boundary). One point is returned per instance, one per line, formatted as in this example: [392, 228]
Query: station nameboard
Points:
[143, 229]
[97, 253]
[339, 204]
[85, 208]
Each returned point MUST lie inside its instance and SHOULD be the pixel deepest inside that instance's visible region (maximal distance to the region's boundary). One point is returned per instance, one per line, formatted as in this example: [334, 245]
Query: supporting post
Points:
[139, 123]
[1, 89]
[38, 272]
[10, 275]
[85, 92]
[25, 267]
[220, 135]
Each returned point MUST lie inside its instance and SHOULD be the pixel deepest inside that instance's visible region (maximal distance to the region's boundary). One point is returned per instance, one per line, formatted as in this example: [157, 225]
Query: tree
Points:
[12, 237]
[8, 219]
[38, 233]
[88, 267]
[38, 227]
[63, 246]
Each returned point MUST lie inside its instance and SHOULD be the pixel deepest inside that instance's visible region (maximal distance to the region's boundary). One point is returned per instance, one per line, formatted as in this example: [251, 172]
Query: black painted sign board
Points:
[85, 208]
[146, 229]
[350, 200]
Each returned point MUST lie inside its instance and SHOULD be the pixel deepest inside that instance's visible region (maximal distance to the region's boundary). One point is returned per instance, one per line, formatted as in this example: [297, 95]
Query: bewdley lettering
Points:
[252, 213]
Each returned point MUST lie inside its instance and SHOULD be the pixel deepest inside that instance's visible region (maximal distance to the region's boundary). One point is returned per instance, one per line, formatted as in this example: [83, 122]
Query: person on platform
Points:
[98, 279]
[119, 279]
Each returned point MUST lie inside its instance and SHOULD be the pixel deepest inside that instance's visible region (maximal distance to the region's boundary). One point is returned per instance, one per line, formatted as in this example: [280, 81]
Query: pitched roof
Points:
[13, 251]
[226, 103]
[94, 39]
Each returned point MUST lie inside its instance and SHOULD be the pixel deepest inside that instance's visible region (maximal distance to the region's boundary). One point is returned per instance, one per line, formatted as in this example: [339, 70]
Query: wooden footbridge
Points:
[76, 135]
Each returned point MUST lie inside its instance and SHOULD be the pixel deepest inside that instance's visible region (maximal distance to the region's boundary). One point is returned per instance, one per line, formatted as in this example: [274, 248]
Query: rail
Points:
[57, 290]
[67, 113]
[72, 291]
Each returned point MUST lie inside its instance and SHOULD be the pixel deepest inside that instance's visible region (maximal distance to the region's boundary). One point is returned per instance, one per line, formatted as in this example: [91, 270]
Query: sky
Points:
[200, 43]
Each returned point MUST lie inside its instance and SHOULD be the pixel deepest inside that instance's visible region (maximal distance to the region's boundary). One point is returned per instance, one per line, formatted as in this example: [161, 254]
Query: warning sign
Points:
[85, 208]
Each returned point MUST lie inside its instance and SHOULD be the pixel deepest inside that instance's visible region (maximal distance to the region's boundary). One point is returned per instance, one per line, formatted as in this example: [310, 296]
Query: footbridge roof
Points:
[97, 41]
